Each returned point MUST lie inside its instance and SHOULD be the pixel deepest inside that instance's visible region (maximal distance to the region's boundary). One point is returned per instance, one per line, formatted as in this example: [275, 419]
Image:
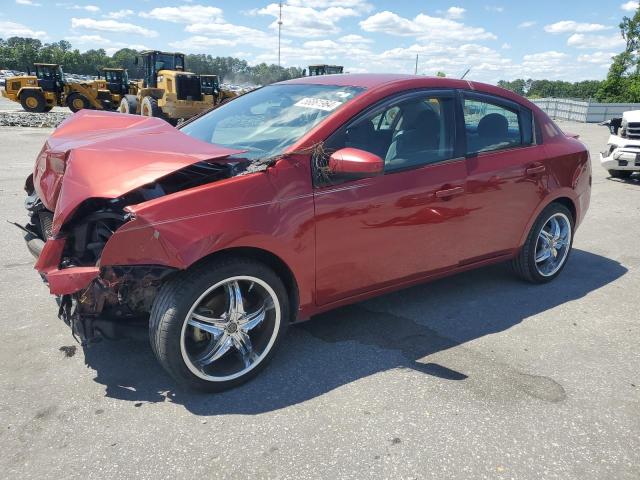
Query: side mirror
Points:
[356, 163]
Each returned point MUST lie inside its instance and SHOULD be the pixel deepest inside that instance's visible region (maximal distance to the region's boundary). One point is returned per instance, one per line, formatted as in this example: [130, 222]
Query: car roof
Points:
[371, 81]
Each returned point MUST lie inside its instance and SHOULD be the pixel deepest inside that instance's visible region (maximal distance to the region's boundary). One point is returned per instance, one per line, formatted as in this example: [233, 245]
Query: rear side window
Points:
[493, 125]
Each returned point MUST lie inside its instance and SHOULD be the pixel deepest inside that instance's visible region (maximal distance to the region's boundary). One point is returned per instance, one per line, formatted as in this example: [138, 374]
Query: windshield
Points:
[268, 120]
[168, 61]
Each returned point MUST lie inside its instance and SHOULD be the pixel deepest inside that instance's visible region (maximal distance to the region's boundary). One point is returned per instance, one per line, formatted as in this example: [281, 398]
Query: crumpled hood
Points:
[98, 154]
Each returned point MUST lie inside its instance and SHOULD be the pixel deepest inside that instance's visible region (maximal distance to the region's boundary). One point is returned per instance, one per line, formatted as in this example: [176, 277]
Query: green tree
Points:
[623, 80]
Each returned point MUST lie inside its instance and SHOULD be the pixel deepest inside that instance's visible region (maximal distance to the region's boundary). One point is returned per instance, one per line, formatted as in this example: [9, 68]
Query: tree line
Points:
[19, 53]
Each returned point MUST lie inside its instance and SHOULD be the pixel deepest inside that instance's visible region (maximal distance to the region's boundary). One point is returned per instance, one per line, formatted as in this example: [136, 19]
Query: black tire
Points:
[524, 264]
[176, 299]
[149, 108]
[129, 104]
[48, 108]
[77, 102]
[33, 101]
[624, 174]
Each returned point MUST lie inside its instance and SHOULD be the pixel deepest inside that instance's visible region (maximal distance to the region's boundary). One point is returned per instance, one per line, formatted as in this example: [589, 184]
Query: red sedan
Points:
[292, 200]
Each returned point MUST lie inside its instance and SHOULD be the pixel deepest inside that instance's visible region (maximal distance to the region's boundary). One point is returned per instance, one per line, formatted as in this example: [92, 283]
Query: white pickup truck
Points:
[622, 156]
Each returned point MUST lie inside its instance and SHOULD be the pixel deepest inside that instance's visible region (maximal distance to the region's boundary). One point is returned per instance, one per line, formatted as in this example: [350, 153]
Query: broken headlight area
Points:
[97, 219]
[115, 305]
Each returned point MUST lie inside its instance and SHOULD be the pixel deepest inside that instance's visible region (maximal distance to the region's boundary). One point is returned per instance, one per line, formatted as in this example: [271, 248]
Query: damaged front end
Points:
[622, 153]
[77, 199]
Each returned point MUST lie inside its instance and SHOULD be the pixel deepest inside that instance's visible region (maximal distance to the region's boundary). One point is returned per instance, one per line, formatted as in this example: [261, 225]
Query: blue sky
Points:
[568, 40]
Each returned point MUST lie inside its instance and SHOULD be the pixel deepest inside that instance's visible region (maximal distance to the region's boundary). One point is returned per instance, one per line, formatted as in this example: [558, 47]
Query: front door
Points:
[376, 231]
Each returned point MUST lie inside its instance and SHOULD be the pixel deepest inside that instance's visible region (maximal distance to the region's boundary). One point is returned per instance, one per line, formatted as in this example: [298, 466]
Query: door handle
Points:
[449, 192]
[535, 170]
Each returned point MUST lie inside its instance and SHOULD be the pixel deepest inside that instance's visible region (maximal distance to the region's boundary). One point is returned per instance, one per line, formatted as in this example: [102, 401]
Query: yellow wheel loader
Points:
[117, 82]
[48, 88]
[211, 86]
[324, 69]
[167, 90]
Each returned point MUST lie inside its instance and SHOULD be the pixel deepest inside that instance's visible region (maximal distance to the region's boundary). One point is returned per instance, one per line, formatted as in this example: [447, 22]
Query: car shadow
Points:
[353, 342]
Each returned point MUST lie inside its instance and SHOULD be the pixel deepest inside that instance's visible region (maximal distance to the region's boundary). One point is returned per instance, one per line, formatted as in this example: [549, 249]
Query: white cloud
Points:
[185, 14]
[111, 26]
[506, 46]
[29, 3]
[239, 33]
[493, 8]
[527, 24]
[88, 39]
[358, 5]
[300, 19]
[199, 43]
[599, 58]
[118, 14]
[598, 42]
[549, 64]
[424, 27]
[629, 6]
[354, 39]
[86, 8]
[13, 29]
[570, 26]
[455, 12]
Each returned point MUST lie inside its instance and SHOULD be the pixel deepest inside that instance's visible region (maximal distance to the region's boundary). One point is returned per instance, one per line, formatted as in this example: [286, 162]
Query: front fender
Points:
[264, 210]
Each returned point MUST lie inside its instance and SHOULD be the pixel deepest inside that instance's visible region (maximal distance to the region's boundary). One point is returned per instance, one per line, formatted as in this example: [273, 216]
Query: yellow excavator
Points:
[47, 88]
[167, 90]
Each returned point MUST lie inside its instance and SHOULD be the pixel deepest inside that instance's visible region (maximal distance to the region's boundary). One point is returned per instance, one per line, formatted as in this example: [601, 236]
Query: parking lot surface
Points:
[478, 375]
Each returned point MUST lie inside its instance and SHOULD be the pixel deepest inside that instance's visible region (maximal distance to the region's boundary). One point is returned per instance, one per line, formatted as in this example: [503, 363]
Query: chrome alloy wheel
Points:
[230, 328]
[553, 244]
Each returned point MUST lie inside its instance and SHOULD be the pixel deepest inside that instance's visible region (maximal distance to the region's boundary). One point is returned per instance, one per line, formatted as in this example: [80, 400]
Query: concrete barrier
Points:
[583, 111]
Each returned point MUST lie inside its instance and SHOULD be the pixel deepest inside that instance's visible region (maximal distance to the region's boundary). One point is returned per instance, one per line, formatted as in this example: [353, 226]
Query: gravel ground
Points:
[12, 115]
[474, 376]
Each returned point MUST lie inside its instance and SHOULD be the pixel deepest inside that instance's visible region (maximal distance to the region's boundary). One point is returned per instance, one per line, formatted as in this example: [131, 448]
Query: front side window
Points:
[267, 121]
[409, 133]
[493, 126]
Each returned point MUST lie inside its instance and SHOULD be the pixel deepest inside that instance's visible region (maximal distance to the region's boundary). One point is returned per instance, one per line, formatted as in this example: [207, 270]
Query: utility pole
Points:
[416, 71]
[279, 30]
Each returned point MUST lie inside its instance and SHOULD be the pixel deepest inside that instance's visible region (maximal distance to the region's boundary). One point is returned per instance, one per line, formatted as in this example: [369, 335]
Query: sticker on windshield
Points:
[318, 103]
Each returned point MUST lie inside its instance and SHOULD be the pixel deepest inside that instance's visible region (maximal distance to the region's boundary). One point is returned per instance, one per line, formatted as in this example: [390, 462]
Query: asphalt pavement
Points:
[474, 376]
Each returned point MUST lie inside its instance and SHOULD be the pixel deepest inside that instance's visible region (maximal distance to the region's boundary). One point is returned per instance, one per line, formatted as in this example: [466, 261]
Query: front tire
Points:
[149, 107]
[129, 104]
[33, 101]
[546, 250]
[217, 325]
[77, 102]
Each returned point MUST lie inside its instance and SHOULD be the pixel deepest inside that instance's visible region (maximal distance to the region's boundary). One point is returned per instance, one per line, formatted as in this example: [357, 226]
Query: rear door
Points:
[376, 231]
[507, 174]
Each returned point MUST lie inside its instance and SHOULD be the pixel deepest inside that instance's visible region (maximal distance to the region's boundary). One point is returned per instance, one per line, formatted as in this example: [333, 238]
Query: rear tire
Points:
[191, 355]
[620, 173]
[528, 264]
[77, 102]
[149, 108]
[33, 101]
[129, 104]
